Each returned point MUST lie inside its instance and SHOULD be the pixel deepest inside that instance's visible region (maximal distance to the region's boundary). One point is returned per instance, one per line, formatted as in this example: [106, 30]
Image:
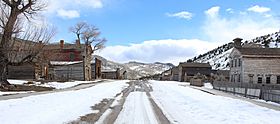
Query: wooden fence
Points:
[268, 92]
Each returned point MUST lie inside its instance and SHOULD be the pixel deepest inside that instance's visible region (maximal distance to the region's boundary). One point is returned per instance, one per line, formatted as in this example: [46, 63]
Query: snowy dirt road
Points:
[134, 102]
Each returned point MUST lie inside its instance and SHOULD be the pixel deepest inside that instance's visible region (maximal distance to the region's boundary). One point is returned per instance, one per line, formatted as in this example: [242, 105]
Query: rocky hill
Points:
[218, 58]
[134, 69]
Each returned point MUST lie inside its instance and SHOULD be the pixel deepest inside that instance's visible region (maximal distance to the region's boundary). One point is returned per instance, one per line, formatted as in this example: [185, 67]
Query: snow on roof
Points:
[108, 70]
[64, 62]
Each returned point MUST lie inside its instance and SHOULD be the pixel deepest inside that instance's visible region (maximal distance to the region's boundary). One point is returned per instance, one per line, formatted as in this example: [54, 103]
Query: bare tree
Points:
[78, 29]
[89, 34]
[17, 42]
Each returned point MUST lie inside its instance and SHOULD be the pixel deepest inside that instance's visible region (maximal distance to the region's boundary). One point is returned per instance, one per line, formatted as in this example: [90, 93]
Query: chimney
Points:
[61, 44]
[237, 42]
[78, 43]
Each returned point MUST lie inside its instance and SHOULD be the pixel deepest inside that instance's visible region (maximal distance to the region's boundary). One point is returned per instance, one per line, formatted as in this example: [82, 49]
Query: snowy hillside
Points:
[135, 69]
[218, 58]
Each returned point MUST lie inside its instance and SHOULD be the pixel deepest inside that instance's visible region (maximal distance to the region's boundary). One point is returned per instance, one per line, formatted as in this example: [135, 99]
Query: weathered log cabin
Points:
[254, 64]
[188, 70]
[111, 74]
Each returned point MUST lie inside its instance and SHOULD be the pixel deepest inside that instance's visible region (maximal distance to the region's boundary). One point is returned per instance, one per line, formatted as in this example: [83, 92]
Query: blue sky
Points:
[151, 27]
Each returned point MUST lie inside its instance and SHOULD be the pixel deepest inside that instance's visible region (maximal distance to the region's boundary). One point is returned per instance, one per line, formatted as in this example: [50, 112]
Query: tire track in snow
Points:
[136, 106]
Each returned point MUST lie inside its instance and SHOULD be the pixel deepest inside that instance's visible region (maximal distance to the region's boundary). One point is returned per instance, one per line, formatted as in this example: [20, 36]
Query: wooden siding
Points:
[25, 71]
[68, 72]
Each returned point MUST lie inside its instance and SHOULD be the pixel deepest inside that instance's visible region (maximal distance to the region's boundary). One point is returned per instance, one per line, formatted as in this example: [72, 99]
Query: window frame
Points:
[239, 62]
[278, 79]
[260, 80]
[268, 80]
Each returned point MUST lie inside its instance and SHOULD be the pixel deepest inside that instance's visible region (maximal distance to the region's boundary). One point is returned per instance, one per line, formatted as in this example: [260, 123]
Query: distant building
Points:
[254, 64]
[175, 74]
[188, 70]
[111, 74]
[166, 75]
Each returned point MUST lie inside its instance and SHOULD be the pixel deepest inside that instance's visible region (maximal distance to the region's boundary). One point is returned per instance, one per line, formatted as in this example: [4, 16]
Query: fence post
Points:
[261, 92]
[246, 89]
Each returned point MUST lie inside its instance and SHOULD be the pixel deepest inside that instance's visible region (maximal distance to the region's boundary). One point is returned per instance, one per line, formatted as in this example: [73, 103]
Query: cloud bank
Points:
[169, 51]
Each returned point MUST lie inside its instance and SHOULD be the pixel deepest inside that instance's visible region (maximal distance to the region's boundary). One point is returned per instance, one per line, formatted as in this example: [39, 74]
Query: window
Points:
[231, 64]
[259, 80]
[278, 79]
[239, 62]
[239, 77]
[71, 56]
[251, 78]
[235, 62]
[268, 80]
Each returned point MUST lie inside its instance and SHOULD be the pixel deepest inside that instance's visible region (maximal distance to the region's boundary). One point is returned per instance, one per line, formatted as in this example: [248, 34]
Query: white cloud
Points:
[69, 14]
[224, 29]
[55, 5]
[259, 9]
[173, 51]
[213, 12]
[182, 15]
[230, 10]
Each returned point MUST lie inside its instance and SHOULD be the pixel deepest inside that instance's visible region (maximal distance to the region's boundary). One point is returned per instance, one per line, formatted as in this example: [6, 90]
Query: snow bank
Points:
[17, 81]
[6, 93]
[63, 85]
[208, 85]
[56, 85]
[186, 105]
[56, 108]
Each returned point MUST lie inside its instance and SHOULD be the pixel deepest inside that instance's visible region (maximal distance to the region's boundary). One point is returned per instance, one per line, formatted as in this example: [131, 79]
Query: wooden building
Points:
[254, 64]
[79, 54]
[23, 71]
[111, 74]
[166, 75]
[175, 74]
[64, 71]
[188, 70]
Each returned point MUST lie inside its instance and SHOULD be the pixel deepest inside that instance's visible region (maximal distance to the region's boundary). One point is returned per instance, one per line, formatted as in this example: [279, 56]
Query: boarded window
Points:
[268, 80]
[259, 80]
[278, 79]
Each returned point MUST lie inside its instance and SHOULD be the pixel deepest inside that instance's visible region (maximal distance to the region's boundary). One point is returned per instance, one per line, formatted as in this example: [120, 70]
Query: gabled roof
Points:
[189, 64]
[260, 51]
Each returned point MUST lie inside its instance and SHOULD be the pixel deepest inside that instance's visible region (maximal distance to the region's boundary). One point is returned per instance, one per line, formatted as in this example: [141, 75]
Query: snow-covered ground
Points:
[12, 81]
[186, 105]
[57, 108]
[137, 110]
[8, 93]
[208, 85]
[56, 85]
[59, 85]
